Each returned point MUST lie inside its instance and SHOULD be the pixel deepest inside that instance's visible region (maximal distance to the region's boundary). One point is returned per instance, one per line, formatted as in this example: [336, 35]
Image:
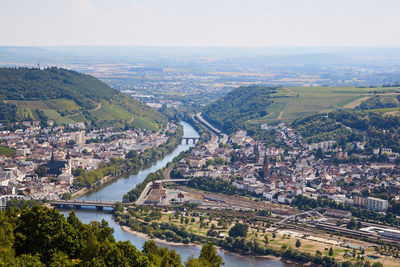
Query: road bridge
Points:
[78, 204]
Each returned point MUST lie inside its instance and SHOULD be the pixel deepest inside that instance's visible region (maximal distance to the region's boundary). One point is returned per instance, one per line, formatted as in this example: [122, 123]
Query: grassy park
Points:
[202, 224]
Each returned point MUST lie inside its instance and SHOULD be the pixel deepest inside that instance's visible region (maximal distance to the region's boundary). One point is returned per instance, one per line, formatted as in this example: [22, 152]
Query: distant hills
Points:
[66, 96]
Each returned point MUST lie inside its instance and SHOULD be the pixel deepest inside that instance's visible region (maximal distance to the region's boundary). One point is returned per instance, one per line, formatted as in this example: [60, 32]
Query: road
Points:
[141, 199]
[207, 124]
[167, 172]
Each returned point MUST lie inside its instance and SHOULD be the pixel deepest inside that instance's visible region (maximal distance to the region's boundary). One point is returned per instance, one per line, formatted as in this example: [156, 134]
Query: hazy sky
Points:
[201, 22]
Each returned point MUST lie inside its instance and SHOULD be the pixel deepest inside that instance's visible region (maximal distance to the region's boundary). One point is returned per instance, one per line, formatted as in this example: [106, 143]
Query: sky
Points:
[237, 23]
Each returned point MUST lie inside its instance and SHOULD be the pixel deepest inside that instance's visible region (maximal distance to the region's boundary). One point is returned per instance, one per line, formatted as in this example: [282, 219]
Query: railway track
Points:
[237, 202]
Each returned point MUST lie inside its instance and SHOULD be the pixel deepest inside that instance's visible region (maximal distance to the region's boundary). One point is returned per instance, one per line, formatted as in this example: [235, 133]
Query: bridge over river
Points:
[187, 139]
[78, 204]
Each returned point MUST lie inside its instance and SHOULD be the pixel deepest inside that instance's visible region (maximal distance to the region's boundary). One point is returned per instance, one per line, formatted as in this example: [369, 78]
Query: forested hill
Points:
[372, 129]
[67, 96]
[232, 111]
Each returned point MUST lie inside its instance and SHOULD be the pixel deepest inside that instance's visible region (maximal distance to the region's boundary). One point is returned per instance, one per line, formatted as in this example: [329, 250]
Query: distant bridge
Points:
[187, 139]
[78, 204]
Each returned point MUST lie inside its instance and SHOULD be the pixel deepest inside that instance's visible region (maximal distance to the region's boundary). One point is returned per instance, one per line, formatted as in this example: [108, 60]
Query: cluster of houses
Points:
[44, 158]
[289, 169]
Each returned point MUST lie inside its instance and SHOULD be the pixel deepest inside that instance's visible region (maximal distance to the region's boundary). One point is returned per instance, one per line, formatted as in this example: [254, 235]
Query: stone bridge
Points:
[188, 139]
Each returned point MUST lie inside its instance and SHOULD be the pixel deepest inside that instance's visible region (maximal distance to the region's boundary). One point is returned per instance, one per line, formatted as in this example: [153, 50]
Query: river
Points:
[116, 189]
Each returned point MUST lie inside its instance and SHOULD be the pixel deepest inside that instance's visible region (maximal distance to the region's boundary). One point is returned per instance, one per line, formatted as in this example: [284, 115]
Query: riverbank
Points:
[158, 240]
[132, 164]
[199, 246]
[83, 191]
[114, 190]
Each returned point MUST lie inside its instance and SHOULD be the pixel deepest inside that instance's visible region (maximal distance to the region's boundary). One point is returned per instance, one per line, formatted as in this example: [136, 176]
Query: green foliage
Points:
[52, 83]
[43, 237]
[239, 229]
[133, 161]
[213, 185]
[320, 127]
[243, 245]
[66, 196]
[373, 128]
[232, 111]
[162, 256]
[7, 112]
[209, 255]
[22, 204]
[67, 96]
[7, 151]
[41, 171]
[378, 102]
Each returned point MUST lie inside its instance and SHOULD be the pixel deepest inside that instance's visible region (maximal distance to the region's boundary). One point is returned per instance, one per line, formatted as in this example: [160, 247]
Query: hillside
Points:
[230, 112]
[67, 96]
[254, 105]
[374, 129]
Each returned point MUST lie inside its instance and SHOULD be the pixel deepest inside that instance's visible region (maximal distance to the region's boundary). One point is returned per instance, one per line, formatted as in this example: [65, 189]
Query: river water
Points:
[116, 189]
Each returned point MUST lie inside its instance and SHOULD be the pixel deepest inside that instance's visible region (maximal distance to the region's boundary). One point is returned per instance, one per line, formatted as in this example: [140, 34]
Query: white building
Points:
[377, 204]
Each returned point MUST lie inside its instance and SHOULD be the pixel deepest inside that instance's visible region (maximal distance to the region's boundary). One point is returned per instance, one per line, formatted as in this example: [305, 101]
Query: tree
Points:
[319, 153]
[6, 241]
[44, 231]
[209, 254]
[60, 259]
[193, 262]
[171, 259]
[298, 243]
[161, 256]
[118, 207]
[351, 224]
[238, 229]
[273, 235]
[133, 154]
[41, 171]
[330, 253]
[66, 196]
[266, 241]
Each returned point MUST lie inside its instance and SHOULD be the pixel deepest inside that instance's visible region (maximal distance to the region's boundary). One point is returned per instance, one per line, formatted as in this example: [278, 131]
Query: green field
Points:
[54, 115]
[302, 101]
[144, 124]
[111, 112]
[64, 111]
[62, 105]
